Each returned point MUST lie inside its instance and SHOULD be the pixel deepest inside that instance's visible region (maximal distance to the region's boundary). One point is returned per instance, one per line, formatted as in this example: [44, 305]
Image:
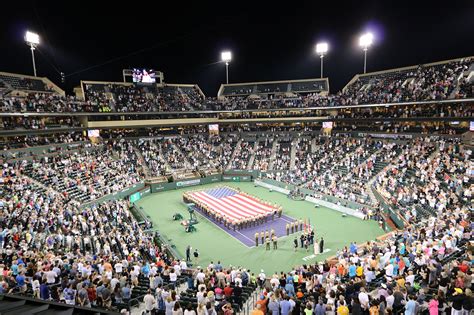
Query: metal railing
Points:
[135, 302]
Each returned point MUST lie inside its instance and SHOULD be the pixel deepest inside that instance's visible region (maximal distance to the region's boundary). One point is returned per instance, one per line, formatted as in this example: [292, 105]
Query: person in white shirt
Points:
[369, 275]
[50, 277]
[238, 281]
[125, 263]
[233, 274]
[211, 266]
[177, 269]
[200, 276]
[173, 278]
[410, 278]
[275, 282]
[390, 299]
[364, 299]
[355, 259]
[183, 265]
[118, 267]
[200, 296]
[389, 270]
[114, 282]
[108, 274]
[189, 310]
[153, 270]
[36, 288]
[149, 301]
[134, 276]
[261, 278]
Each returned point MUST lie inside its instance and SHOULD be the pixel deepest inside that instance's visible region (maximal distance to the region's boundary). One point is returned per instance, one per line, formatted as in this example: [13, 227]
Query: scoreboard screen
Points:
[143, 76]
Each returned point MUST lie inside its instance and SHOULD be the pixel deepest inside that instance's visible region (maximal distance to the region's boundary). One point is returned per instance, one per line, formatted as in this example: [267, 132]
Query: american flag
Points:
[232, 204]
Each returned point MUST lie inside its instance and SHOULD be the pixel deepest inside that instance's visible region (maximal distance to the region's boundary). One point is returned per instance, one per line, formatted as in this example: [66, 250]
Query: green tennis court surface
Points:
[215, 244]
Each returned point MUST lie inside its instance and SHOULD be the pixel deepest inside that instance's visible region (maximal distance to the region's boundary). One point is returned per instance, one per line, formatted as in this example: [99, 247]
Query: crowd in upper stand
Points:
[426, 82]
[433, 82]
[410, 111]
[38, 123]
[17, 142]
[45, 102]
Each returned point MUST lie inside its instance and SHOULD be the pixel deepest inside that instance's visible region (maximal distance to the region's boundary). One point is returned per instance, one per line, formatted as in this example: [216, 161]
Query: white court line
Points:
[285, 220]
[316, 255]
[245, 237]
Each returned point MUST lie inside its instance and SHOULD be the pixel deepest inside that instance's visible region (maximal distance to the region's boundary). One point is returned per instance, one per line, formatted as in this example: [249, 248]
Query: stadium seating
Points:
[426, 82]
[439, 81]
[66, 237]
[417, 178]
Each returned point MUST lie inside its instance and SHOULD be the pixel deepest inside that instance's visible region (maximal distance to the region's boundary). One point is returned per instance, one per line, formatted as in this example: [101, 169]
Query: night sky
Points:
[270, 41]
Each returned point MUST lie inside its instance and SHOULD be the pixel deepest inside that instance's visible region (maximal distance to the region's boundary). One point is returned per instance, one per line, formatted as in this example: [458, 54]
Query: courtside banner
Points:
[186, 183]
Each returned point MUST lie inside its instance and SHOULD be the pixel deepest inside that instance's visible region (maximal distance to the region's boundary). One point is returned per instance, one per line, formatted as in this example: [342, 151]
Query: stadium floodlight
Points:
[365, 41]
[321, 50]
[32, 40]
[226, 56]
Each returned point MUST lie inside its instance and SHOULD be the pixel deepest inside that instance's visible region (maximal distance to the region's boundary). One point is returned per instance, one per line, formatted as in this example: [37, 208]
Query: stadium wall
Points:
[327, 198]
[157, 187]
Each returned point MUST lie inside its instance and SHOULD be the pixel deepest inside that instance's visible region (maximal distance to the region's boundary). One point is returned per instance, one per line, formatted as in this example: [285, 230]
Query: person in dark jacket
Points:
[468, 303]
[44, 291]
[356, 307]
[457, 299]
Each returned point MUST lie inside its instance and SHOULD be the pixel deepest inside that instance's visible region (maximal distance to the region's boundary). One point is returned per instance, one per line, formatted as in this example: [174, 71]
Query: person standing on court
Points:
[196, 255]
[188, 253]
[321, 245]
[275, 244]
[256, 239]
[295, 242]
[267, 243]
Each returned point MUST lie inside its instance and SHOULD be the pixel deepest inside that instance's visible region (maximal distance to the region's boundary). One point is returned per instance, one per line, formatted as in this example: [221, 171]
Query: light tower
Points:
[321, 50]
[32, 40]
[365, 41]
[226, 56]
